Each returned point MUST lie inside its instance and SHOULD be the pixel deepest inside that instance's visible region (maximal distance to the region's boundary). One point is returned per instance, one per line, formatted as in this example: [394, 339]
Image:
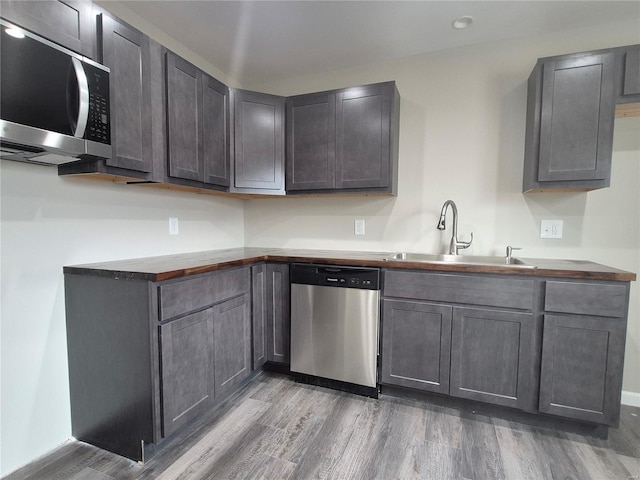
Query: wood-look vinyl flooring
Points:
[275, 428]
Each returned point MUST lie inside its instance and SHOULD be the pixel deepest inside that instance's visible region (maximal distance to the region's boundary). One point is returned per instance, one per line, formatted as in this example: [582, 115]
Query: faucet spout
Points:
[454, 245]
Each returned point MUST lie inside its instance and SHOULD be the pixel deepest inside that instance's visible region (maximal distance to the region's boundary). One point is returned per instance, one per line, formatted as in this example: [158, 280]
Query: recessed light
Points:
[14, 32]
[462, 22]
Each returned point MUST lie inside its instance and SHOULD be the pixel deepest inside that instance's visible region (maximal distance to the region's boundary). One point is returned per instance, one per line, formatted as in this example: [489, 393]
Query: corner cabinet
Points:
[344, 140]
[197, 125]
[146, 358]
[258, 131]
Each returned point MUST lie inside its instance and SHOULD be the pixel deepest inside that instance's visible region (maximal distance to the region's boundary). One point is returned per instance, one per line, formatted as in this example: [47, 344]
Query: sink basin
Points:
[458, 260]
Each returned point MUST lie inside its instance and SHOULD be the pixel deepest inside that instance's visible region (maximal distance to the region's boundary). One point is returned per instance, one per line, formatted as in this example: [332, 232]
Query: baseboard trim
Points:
[631, 398]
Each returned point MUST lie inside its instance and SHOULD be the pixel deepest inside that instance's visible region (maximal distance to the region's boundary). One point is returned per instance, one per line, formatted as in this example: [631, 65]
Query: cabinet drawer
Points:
[193, 294]
[466, 289]
[600, 299]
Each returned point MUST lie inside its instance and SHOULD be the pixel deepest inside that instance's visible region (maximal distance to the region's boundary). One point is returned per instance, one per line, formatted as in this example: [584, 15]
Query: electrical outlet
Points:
[173, 226]
[359, 227]
[551, 228]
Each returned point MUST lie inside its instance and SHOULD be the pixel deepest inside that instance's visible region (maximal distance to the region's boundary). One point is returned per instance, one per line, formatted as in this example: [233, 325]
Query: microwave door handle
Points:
[83, 89]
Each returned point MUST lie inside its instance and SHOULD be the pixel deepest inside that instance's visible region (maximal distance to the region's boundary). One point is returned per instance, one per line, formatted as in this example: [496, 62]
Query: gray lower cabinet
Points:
[197, 125]
[469, 336]
[491, 356]
[146, 358]
[278, 316]
[204, 356]
[554, 346]
[187, 368]
[570, 117]
[259, 314]
[258, 165]
[232, 344]
[416, 345]
[344, 140]
[583, 348]
[65, 22]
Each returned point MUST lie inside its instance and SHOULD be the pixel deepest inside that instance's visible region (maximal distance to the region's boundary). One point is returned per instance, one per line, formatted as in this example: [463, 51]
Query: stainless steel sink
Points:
[459, 260]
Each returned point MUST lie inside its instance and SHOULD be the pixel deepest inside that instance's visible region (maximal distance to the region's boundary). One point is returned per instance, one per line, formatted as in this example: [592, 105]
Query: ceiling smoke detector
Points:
[462, 22]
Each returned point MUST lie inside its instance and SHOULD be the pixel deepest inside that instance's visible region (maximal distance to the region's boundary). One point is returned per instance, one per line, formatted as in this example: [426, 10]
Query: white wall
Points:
[462, 126]
[48, 222]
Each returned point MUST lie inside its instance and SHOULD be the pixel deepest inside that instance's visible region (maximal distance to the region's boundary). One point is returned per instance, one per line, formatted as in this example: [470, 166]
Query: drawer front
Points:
[465, 289]
[196, 293]
[592, 298]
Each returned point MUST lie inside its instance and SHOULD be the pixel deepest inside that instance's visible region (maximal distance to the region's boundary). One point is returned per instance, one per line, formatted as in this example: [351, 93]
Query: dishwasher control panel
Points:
[335, 276]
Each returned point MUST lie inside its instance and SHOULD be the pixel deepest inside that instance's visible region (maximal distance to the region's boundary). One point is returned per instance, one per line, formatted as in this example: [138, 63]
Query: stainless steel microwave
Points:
[54, 103]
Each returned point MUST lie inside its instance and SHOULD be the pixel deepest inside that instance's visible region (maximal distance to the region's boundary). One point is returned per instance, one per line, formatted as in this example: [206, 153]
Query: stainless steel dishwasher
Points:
[335, 313]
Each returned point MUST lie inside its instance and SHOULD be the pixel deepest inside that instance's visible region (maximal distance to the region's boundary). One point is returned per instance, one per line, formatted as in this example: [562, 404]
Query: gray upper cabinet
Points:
[66, 22]
[311, 142]
[197, 124]
[344, 140]
[492, 356]
[631, 78]
[126, 52]
[364, 136]
[137, 104]
[570, 118]
[259, 143]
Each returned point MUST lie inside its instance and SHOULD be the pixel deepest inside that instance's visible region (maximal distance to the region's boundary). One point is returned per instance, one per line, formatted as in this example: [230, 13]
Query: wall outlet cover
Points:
[359, 227]
[551, 228]
[173, 226]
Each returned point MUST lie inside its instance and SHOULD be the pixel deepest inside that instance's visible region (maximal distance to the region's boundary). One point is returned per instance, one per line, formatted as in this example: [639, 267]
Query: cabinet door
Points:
[259, 142]
[631, 88]
[577, 115]
[416, 343]
[232, 336]
[187, 374]
[184, 117]
[215, 131]
[66, 22]
[127, 54]
[311, 142]
[278, 317]
[363, 137]
[582, 360]
[491, 355]
[259, 314]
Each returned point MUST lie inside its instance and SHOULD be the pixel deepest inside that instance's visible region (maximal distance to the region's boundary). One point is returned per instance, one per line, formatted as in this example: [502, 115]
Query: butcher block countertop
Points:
[184, 264]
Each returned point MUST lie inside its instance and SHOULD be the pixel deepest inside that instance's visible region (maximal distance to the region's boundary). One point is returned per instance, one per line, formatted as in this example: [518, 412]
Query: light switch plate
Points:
[551, 228]
[359, 227]
[173, 226]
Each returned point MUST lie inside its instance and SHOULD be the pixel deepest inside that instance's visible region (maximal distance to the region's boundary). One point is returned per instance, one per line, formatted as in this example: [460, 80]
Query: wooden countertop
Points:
[181, 265]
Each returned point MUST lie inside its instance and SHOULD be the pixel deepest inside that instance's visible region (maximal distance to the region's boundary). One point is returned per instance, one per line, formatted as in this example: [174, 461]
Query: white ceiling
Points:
[267, 41]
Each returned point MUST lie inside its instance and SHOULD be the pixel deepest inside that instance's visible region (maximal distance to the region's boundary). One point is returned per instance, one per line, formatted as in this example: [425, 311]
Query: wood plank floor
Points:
[277, 429]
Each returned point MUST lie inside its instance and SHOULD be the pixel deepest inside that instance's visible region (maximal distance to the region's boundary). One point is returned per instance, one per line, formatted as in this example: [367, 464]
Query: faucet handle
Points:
[464, 244]
[510, 250]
